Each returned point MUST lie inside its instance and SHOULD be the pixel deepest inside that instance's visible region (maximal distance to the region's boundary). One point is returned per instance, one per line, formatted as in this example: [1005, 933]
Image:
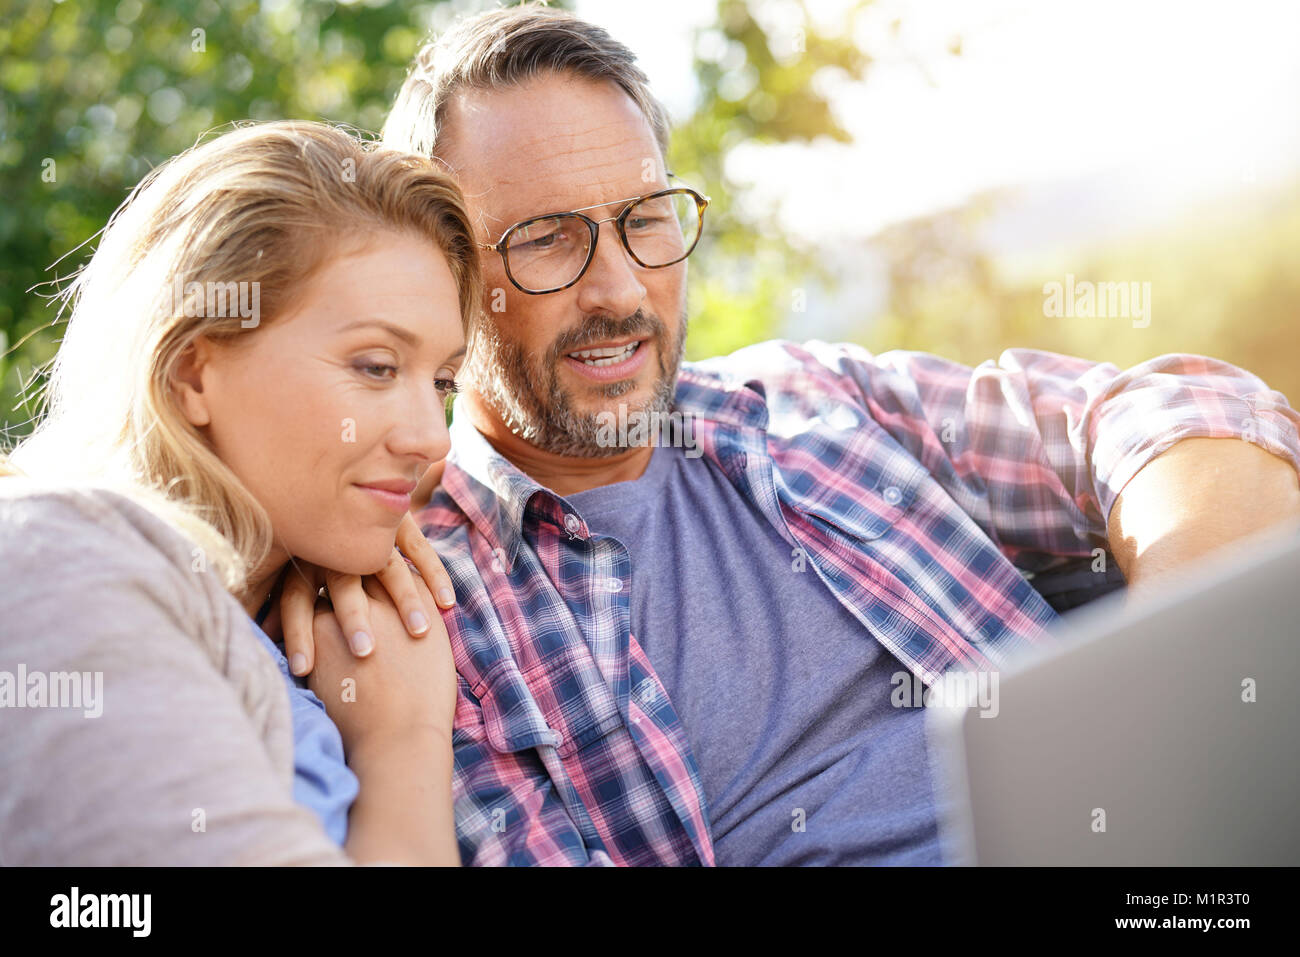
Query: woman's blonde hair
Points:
[264, 206]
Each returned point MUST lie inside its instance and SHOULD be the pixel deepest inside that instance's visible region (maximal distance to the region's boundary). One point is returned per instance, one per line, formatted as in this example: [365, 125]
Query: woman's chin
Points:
[354, 558]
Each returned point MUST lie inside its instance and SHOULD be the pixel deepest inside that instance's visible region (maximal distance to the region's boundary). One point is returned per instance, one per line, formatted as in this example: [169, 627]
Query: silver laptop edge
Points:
[1021, 788]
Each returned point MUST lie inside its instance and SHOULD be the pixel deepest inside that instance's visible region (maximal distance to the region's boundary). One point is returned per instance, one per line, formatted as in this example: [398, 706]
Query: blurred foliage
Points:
[1225, 282]
[97, 92]
[763, 72]
[94, 93]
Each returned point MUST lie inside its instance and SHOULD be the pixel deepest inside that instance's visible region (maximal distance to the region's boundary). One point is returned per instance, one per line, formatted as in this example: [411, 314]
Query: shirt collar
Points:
[494, 494]
[713, 392]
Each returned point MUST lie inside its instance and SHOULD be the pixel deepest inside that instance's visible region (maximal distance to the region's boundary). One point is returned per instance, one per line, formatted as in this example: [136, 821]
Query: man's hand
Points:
[1199, 496]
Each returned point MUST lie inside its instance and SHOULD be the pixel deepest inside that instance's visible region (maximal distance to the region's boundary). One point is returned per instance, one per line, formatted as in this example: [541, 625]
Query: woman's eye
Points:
[446, 386]
[378, 370]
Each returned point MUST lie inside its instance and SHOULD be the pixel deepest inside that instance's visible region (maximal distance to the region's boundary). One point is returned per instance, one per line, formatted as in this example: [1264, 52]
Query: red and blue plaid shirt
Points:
[914, 487]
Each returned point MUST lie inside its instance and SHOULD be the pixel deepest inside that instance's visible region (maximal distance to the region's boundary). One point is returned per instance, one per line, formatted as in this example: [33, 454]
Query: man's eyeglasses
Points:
[551, 252]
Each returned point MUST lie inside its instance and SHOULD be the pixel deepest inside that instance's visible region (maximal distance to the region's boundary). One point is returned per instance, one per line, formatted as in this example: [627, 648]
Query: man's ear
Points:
[187, 382]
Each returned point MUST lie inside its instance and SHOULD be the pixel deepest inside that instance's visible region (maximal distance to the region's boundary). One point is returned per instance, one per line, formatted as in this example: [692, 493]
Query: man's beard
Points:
[528, 397]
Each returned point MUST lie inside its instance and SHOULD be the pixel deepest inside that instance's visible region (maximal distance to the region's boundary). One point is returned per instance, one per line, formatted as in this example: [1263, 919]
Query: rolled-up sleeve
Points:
[1037, 446]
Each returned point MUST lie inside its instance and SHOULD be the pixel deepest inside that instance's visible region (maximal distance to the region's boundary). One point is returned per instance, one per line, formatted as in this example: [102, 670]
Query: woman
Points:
[253, 376]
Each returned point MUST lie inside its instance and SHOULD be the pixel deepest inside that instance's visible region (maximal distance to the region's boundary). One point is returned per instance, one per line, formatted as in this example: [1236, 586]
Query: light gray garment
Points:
[196, 726]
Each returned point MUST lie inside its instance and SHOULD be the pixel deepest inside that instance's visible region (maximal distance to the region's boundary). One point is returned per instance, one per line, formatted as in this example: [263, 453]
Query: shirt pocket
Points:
[553, 705]
[578, 706]
[512, 719]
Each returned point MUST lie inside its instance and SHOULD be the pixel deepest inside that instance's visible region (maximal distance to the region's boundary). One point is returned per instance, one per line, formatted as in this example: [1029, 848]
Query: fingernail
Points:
[298, 663]
[446, 596]
[361, 643]
[419, 624]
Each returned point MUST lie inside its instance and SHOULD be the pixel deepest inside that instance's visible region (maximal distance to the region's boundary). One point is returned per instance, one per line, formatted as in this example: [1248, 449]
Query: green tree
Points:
[95, 93]
[1222, 280]
[757, 84]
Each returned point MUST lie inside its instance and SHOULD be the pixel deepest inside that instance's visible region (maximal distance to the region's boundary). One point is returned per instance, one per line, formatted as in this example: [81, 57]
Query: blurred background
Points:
[900, 174]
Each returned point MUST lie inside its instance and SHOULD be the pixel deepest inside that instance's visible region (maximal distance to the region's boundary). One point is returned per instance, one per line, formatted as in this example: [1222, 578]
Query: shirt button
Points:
[559, 738]
[892, 495]
[613, 584]
[572, 524]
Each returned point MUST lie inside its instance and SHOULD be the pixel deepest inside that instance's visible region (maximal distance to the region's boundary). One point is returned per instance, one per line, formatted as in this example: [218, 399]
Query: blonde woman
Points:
[253, 377]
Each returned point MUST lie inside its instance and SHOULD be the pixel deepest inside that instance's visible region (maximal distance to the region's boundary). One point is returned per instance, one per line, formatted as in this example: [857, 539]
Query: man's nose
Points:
[611, 284]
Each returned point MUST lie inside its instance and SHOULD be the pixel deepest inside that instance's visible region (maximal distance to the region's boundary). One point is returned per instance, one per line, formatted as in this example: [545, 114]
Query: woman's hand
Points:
[394, 711]
[417, 599]
[409, 686]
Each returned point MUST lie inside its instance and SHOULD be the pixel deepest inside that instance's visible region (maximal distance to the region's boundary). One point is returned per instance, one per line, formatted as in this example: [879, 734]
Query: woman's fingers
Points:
[350, 607]
[397, 579]
[297, 610]
[417, 548]
[325, 630]
[417, 598]
[422, 589]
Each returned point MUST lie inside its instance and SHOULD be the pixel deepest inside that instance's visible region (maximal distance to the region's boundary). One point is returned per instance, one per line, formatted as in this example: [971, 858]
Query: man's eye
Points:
[541, 237]
[539, 244]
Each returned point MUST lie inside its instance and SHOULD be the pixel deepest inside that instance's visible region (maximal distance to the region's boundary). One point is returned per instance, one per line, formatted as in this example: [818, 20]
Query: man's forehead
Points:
[579, 184]
[549, 145]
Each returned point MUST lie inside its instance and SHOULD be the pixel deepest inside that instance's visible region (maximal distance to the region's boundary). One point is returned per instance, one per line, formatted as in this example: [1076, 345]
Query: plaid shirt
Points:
[915, 489]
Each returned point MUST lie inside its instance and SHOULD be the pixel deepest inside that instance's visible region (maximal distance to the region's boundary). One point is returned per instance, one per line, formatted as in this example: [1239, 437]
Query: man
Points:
[684, 652]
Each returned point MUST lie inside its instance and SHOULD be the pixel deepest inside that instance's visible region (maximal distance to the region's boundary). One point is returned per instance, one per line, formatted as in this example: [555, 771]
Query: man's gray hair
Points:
[503, 48]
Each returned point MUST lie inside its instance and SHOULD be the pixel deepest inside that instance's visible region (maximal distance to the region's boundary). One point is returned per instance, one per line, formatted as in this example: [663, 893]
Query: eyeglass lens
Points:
[551, 252]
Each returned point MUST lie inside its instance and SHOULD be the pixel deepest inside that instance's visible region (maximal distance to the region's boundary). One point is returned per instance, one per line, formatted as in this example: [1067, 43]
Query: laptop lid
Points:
[1161, 729]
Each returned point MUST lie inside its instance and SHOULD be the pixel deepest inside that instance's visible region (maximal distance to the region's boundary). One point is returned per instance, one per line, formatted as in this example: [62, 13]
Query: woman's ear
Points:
[187, 382]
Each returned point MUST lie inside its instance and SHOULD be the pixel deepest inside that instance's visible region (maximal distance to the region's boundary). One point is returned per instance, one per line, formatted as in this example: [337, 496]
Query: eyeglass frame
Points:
[593, 227]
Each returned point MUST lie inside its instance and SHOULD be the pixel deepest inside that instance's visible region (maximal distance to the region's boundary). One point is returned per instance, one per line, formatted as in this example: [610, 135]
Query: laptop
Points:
[1160, 729]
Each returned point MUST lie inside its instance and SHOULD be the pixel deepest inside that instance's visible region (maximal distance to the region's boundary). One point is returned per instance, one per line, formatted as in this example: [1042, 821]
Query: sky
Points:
[1112, 113]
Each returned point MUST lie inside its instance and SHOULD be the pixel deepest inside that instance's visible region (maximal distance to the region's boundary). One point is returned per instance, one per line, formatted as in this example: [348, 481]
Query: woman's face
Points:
[331, 413]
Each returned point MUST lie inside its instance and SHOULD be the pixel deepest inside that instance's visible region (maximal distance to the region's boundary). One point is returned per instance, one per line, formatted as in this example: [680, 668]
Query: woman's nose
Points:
[421, 429]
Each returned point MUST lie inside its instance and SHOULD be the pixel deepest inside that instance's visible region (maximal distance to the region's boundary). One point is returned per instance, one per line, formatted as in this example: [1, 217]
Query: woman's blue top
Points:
[321, 779]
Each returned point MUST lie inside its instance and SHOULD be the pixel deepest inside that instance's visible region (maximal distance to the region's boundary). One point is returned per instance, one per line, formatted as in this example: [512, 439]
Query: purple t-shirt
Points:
[784, 695]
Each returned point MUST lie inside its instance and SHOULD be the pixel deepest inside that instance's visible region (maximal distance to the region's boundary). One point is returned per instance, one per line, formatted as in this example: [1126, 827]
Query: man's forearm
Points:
[1200, 495]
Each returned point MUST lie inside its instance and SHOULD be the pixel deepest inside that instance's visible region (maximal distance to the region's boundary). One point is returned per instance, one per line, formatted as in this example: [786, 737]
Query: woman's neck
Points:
[261, 584]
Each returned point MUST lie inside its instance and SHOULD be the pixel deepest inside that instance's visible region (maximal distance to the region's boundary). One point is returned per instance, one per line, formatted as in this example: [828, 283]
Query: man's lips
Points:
[394, 494]
[608, 361]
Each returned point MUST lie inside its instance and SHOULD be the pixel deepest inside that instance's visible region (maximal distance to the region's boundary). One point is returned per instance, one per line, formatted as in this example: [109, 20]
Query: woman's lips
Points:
[397, 502]
[617, 370]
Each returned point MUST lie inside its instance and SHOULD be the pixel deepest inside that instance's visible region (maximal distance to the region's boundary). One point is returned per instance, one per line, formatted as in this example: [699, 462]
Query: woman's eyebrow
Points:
[455, 355]
[406, 335]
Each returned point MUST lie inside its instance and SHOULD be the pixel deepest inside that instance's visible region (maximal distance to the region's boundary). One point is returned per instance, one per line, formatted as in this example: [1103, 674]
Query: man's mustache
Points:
[603, 328]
